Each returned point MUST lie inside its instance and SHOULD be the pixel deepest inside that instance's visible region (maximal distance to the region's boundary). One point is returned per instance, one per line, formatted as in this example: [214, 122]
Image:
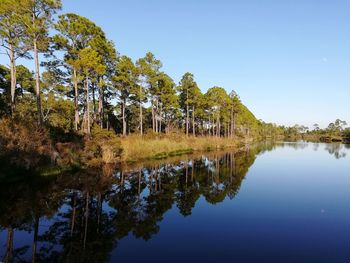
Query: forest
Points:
[86, 101]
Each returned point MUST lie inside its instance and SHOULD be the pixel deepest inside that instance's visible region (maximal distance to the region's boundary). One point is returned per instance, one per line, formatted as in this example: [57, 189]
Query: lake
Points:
[271, 202]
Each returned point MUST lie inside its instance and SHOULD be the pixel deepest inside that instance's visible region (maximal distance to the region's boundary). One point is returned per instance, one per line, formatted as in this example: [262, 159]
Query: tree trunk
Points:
[193, 125]
[156, 117]
[99, 211]
[139, 185]
[100, 105]
[209, 128]
[123, 117]
[94, 102]
[231, 128]
[153, 124]
[160, 118]
[192, 170]
[76, 103]
[9, 246]
[225, 129]
[187, 117]
[141, 128]
[86, 219]
[74, 202]
[87, 105]
[218, 126]
[228, 130]
[233, 124]
[214, 125]
[13, 78]
[35, 239]
[37, 84]
[186, 174]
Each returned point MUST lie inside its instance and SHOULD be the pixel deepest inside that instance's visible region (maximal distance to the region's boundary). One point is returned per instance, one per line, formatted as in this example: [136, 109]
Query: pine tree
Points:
[37, 19]
[12, 37]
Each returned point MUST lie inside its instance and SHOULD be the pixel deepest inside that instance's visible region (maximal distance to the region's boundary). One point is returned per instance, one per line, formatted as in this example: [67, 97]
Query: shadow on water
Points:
[81, 217]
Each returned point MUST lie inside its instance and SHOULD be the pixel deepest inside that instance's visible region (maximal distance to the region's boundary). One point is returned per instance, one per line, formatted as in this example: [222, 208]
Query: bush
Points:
[103, 147]
[346, 135]
[24, 144]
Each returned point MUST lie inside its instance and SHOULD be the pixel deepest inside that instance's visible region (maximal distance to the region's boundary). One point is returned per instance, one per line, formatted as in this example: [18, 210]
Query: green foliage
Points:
[37, 19]
[90, 62]
[188, 89]
[346, 135]
[25, 80]
[92, 85]
[12, 29]
[126, 79]
[103, 147]
[74, 33]
[335, 132]
[217, 99]
[4, 91]
[58, 113]
[168, 101]
[26, 110]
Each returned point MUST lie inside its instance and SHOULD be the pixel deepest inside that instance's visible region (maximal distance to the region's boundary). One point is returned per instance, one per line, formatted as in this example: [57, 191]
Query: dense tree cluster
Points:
[87, 82]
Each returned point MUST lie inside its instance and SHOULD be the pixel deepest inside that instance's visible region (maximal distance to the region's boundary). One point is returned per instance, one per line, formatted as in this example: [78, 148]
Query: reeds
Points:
[138, 148]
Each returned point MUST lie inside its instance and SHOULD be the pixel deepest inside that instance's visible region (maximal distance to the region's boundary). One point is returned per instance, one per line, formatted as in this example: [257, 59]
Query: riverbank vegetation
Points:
[85, 103]
[335, 132]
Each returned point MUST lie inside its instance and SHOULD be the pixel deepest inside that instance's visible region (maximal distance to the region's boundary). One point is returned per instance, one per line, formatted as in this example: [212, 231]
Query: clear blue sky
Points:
[289, 60]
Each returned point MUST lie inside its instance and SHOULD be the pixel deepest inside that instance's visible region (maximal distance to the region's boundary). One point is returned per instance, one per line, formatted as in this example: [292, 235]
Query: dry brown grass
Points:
[23, 144]
[138, 148]
[103, 147]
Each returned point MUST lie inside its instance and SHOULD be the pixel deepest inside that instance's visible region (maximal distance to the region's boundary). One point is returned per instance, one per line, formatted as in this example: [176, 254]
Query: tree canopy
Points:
[85, 72]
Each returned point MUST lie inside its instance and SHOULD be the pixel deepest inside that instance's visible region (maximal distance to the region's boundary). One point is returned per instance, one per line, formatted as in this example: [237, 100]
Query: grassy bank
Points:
[22, 145]
[137, 148]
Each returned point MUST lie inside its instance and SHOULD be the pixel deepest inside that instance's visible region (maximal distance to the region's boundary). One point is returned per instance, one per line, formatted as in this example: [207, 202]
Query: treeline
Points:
[336, 131]
[86, 82]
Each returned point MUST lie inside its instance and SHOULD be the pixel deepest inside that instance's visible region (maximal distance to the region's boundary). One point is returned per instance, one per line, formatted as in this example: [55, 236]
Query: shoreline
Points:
[136, 148]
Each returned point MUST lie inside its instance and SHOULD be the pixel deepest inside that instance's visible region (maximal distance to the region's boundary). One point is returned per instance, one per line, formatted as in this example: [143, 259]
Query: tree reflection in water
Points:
[337, 149]
[80, 217]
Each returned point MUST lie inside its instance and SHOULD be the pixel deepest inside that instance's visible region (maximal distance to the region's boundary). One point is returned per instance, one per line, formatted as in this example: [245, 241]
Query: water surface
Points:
[286, 202]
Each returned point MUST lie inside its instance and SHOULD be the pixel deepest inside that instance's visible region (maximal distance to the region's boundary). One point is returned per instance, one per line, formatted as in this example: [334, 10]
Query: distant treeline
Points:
[335, 132]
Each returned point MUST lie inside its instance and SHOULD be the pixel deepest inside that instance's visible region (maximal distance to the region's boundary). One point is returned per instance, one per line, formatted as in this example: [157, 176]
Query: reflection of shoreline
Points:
[91, 210]
[336, 149]
[94, 209]
[134, 166]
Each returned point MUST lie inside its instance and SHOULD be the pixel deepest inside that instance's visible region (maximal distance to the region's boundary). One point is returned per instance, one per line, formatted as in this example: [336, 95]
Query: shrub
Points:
[24, 144]
[103, 147]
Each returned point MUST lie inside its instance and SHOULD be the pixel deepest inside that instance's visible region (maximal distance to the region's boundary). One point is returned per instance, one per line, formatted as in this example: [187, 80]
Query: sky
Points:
[289, 60]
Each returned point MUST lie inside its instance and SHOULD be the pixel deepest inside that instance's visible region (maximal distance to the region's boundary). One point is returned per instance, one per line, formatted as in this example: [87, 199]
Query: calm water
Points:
[287, 202]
